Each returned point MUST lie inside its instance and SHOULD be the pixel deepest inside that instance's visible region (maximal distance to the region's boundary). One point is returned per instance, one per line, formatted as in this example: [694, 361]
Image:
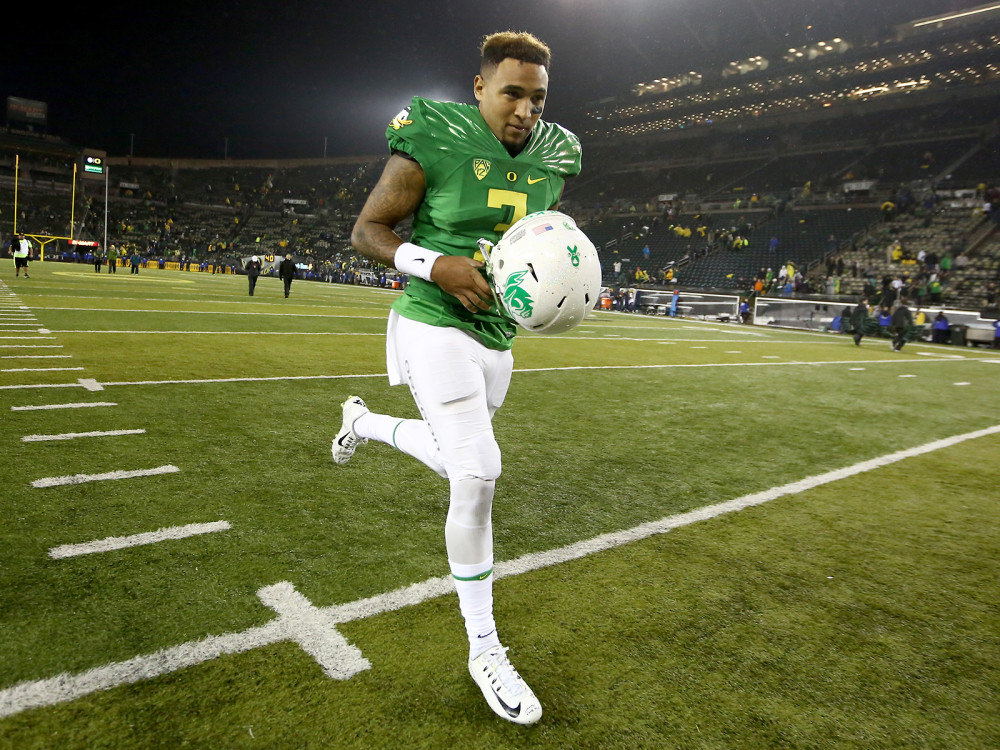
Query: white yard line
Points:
[110, 475]
[82, 405]
[75, 435]
[41, 369]
[314, 627]
[36, 356]
[112, 543]
[228, 333]
[94, 385]
[241, 313]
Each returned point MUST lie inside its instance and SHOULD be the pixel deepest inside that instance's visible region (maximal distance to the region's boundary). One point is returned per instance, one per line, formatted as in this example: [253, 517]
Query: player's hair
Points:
[519, 45]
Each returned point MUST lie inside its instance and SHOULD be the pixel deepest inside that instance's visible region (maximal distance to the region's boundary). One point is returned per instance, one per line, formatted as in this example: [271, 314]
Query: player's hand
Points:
[460, 277]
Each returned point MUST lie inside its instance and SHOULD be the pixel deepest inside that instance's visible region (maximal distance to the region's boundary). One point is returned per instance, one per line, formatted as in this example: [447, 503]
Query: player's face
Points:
[511, 99]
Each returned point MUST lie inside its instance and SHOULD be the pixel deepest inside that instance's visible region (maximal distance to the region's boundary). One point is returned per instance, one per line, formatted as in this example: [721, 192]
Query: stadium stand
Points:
[719, 174]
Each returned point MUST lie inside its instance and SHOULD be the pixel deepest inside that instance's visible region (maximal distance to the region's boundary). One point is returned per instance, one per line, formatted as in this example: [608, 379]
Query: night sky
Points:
[254, 80]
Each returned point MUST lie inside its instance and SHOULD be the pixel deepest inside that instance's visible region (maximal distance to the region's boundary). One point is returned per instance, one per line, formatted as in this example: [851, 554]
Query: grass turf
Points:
[863, 613]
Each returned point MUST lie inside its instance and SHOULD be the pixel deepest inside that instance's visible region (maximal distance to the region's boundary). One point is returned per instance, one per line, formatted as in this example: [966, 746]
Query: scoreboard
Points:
[93, 163]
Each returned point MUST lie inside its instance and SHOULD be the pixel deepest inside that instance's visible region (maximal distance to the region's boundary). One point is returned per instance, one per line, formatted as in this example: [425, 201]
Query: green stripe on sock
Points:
[480, 577]
[394, 434]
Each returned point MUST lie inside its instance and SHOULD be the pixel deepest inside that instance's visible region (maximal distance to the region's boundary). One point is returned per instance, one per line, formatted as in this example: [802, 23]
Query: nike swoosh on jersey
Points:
[536, 179]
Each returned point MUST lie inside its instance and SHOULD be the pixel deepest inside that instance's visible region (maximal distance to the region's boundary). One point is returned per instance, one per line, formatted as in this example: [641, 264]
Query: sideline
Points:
[314, 627]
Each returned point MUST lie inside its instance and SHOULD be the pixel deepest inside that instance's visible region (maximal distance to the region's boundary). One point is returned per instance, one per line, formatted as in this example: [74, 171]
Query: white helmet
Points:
[546, 272]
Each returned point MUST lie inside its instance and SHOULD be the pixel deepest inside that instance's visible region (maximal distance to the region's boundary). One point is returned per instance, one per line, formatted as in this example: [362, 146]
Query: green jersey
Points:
[475, 189]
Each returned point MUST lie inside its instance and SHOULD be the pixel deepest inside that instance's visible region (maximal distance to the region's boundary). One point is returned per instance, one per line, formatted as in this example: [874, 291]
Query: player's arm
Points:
[397, 195]
[555, 204]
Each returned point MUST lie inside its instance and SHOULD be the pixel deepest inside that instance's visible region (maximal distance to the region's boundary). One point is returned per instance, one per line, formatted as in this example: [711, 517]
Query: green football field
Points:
[707, 535]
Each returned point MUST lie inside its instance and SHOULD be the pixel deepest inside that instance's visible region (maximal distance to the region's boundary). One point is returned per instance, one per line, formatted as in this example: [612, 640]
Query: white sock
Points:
[411, 436]
[475, 600]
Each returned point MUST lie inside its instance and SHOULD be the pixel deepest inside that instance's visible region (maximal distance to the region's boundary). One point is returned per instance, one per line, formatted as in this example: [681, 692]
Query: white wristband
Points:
[415, 260]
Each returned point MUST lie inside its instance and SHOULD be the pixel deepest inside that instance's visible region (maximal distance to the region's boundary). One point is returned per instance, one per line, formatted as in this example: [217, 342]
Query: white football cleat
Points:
[506, 693]
[347, 440]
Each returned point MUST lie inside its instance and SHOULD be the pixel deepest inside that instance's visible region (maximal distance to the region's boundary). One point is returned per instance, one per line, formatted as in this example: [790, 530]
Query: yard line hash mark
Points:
[80, 405]
[110, 475]
[75, 435]
[40, 369]
[298, 620]
[112, 543]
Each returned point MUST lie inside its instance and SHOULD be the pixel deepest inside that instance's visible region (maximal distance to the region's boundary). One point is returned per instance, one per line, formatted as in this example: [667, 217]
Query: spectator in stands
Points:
[940, 329]
[287, 272]
[902, 322]
[935, 291]
[945, 265]
[253, 271]
[859, 316]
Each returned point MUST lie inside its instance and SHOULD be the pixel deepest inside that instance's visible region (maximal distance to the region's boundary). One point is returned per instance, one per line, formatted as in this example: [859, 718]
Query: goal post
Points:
[43, 239]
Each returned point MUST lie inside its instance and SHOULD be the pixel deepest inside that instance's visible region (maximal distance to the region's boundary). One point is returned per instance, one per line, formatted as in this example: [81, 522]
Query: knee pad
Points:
[478, 459]
[471, 503]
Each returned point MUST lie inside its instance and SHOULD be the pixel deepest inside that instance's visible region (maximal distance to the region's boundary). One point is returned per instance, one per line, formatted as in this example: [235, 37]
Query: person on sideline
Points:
[286, 271]
[20, 248]
[859, 316]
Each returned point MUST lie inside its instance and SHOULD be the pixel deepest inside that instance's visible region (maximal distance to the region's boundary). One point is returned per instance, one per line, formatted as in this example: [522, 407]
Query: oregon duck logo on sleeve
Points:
[400, 120]
[516, 298]
[481, 167]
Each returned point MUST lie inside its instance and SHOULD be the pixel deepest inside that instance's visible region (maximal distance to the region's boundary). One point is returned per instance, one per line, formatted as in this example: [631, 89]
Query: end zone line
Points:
[134, 540]
[81, 478]
[67, 687]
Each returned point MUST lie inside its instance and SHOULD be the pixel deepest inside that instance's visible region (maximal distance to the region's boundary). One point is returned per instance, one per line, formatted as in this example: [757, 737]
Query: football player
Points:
[464, 172]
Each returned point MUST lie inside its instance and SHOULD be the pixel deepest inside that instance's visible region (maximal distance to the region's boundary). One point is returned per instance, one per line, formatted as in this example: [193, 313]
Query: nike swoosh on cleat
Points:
[488, 634]
[342, 439]
[512, 712]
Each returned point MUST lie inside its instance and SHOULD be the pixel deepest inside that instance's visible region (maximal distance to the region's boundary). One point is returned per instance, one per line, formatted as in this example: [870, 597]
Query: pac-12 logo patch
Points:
[481, 167]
